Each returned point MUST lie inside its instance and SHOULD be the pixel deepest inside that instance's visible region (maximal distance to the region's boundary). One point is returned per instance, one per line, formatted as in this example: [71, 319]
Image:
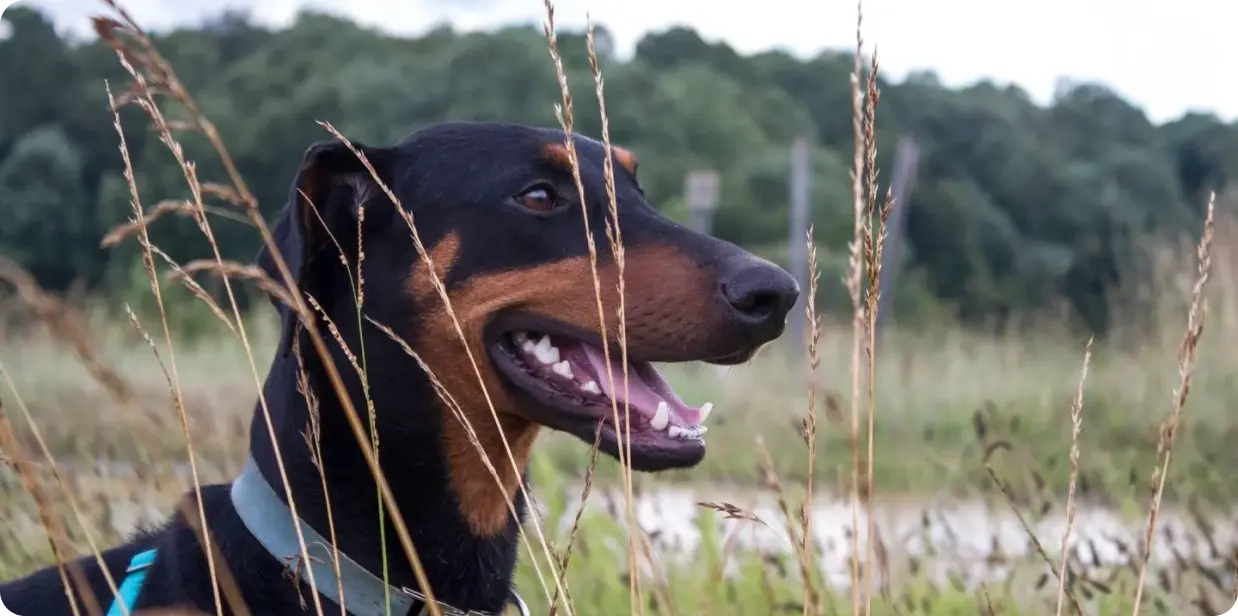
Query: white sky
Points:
[1168, 56]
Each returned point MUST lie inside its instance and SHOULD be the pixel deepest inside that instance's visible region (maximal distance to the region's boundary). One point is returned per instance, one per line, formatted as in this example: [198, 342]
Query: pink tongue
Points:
[645, 387]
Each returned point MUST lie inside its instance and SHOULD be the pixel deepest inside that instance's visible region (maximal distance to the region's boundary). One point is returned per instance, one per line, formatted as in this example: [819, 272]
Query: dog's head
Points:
[500, 216]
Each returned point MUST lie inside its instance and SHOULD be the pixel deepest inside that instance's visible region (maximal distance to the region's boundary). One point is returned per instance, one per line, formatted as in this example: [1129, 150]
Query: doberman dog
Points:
[500, 216]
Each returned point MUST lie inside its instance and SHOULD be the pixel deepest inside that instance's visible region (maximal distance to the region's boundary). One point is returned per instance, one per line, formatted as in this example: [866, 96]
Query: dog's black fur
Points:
[699, 299]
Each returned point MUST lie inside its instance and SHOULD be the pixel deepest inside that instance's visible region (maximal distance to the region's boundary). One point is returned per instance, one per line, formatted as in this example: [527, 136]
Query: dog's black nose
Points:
[759, 293]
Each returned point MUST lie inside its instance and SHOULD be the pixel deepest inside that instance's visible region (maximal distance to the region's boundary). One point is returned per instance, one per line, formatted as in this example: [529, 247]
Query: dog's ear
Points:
[330, 186]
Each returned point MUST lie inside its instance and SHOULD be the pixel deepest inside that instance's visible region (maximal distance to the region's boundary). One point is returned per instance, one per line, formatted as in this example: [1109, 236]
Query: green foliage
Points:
[1017, 208]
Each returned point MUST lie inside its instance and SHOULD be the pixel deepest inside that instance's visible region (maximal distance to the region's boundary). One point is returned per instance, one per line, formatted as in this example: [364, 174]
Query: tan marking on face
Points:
[625, 158]
[670, 302]
[557, 155]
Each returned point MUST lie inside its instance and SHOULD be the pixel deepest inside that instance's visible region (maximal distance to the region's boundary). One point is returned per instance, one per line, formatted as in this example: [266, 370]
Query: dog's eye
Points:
[539, 198]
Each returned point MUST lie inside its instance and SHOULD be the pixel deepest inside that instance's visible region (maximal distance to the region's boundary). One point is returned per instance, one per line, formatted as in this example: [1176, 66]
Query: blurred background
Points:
[1052, 163]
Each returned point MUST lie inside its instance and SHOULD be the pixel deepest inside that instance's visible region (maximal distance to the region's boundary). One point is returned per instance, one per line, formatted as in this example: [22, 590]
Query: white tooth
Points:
[563, 369]
[706, 409]
[701, 430]
[528, 346]
[521, 337]
[591, 387]
[662, 417]
[675, 432]
[546, 352]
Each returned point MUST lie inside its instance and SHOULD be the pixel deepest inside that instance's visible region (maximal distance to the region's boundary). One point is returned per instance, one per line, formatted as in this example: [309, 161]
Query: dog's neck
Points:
[465, 570]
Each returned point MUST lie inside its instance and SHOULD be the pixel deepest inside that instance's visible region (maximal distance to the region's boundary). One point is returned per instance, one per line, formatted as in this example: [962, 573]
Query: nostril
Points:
[757, 304]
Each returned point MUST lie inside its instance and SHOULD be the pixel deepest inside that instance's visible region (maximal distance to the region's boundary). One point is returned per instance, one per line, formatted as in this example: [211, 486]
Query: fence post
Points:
[701, 190]
[797, 249]
[906, 159]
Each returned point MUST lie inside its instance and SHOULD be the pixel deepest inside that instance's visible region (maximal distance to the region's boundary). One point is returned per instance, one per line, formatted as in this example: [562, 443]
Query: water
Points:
[966, 542]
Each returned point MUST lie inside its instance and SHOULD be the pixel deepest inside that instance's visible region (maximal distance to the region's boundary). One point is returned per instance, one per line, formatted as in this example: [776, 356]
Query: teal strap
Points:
[127, 598]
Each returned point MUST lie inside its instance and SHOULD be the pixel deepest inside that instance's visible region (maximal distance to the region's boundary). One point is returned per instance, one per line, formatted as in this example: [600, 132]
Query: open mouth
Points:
[572, 382]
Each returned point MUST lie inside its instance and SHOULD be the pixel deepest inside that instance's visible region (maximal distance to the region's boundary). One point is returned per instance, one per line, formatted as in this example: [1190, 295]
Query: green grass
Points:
[935, 385]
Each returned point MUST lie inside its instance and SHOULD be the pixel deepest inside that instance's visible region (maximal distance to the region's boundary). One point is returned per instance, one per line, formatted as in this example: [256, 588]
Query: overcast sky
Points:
[1168, 56]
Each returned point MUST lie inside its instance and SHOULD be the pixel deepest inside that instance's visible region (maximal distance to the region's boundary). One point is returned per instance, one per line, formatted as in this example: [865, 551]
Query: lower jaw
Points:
[645, 450]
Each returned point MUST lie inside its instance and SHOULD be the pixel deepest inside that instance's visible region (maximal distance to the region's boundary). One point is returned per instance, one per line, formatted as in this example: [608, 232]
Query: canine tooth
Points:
[706, 409]
[591, 387]
[563, 369]
[662, 417]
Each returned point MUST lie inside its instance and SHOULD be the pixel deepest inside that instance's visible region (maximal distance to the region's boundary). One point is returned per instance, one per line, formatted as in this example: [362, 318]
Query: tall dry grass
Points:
[153, 79]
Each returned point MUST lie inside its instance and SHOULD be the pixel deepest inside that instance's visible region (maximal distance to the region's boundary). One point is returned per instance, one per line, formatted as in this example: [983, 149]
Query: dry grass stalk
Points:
[313, 440]
[661, 587]
[70, 574]
[798, 543]
[68, 327]
[120, 35]
[222, 576]
[358, 290]
[733, 512]
[1011, 499]
[874, 240]
[1076, 421]
[441, 290]
[237, 271]
[122, 232]
[454, 406]
[1187, 353]
[173, 379]
[812, 601]
[179, 273]
[356, 286]
[852, 283]
[566, 118]
[614, 237]
[68, 492]
[566, 557]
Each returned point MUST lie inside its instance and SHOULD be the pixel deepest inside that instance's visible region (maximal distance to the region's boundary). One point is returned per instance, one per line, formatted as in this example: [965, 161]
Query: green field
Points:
[936, 384]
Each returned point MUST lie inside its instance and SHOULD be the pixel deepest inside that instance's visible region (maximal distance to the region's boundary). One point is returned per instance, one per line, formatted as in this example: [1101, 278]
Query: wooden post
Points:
[701, 190]
[797, 249]
[906, 159]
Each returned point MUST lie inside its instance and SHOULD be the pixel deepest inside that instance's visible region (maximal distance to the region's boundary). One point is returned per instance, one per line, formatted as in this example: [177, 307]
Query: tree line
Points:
[1017, 206]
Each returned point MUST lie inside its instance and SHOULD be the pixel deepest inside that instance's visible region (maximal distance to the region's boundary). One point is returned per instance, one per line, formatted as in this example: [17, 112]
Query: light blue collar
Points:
[270, 522]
